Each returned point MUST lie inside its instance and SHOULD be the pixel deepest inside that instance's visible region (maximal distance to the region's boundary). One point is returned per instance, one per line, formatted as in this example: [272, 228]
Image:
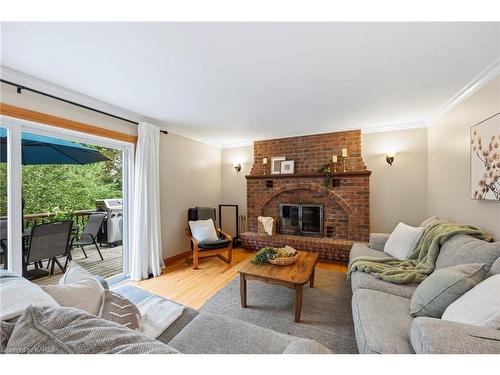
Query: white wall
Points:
[449, 173]
[234, 185]
[398, 193]
[190, 175]
[190, 170]
[36, 102]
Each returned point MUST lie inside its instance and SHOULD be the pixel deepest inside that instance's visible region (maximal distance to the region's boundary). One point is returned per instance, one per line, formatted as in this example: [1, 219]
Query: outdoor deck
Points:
[110, 266]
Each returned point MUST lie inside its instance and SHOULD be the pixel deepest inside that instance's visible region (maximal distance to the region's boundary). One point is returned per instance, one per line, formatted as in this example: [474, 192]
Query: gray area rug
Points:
[326, 309]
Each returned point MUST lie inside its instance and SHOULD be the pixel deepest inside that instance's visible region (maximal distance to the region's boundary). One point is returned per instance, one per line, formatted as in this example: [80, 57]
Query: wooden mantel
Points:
[308, 175]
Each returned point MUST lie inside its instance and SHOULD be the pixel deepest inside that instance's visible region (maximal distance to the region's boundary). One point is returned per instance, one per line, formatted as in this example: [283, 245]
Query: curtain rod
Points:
[21, 87]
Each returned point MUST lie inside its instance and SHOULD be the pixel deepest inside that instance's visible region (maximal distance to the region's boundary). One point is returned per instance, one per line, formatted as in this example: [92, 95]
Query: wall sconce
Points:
[237, 167]
[389, 158]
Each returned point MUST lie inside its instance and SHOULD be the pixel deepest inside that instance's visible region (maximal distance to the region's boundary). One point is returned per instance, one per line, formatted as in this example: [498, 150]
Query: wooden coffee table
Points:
[293, 276]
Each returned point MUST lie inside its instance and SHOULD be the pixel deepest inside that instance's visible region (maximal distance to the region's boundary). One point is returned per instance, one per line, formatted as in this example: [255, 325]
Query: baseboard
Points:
[176, 257]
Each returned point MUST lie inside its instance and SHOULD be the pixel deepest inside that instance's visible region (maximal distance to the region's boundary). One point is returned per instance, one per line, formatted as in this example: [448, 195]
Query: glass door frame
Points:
[15, 127]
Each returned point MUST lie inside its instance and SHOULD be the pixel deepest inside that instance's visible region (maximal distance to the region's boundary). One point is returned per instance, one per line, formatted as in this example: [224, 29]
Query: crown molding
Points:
[486, 75]
[56, 90]
[235, 145]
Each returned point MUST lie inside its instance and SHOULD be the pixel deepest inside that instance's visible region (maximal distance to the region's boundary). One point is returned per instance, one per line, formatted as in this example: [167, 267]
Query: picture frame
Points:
[276, 164]
[485, 159]
[287, 167]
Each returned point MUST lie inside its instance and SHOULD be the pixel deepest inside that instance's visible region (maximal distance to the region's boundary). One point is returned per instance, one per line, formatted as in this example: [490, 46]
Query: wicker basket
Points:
[284, 261]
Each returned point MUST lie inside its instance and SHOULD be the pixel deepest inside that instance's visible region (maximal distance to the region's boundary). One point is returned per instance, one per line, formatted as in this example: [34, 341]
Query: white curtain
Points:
[145, 245]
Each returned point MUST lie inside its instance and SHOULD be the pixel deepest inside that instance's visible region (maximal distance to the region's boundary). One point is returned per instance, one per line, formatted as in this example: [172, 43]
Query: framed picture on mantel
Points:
[287, 166]
[276, 164]
[485, 159]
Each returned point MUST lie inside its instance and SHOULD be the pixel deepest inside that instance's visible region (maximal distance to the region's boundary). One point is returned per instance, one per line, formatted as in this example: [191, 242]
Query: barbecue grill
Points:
[111, 232]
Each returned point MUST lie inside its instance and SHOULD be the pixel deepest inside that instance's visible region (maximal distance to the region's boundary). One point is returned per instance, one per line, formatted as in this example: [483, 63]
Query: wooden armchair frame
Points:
[198, 254]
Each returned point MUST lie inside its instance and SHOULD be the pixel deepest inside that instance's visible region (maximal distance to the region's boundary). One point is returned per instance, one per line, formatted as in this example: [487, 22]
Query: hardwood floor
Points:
[180, 283]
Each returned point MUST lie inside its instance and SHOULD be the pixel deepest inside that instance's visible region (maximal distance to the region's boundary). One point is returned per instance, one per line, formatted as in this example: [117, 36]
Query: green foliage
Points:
[326, 171]
[264, 254]
[66, 188]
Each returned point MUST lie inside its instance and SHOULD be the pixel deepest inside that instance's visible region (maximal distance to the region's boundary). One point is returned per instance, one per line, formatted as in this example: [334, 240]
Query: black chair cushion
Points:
[211, 245]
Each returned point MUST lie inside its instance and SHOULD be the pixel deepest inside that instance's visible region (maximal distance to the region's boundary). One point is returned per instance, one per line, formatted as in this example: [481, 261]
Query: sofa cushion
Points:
[17, 294]
[86, 295]
[217, 244]
[75, 273]
[377, 241]
[437, 336]
[495, 268]
[382, 322]
[59, 330]
[479, 306]
[361, 249]
[403, 240]
[464, 249]
[363, 280]
[216, 334]
[443, 287]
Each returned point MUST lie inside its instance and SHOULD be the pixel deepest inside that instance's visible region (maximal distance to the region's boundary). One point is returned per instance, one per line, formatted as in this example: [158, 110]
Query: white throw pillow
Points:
[85, 295]
[17, 293]
[75, 273]
[480, 306]
[403, 240]
[203, 230]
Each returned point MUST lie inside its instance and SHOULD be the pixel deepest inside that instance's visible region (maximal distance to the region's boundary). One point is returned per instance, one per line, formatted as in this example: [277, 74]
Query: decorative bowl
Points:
[284, 261]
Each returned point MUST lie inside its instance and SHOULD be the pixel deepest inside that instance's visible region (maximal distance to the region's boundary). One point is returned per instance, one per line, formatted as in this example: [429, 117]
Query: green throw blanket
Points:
[421, 261]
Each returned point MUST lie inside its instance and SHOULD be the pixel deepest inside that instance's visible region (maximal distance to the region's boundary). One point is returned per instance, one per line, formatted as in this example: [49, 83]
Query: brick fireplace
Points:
[346, 204]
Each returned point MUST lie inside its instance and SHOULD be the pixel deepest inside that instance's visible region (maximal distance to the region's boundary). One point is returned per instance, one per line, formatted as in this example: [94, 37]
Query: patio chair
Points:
[221, 248]
[48, 241]
[89, 233]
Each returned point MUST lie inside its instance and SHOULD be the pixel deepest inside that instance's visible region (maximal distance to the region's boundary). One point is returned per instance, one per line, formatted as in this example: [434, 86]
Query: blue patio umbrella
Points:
[39, 149]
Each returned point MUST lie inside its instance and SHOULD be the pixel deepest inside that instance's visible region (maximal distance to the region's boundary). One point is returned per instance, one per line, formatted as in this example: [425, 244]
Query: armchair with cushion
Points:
[207, 241]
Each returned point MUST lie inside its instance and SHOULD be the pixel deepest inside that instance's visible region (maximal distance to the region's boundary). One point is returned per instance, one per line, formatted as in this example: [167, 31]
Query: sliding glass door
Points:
[51, 176]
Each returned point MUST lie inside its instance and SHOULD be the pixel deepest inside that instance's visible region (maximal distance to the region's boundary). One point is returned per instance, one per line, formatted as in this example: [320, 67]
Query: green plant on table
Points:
[264, 254]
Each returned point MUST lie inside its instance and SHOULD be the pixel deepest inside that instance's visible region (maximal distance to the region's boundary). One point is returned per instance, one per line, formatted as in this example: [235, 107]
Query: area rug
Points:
[326, 309]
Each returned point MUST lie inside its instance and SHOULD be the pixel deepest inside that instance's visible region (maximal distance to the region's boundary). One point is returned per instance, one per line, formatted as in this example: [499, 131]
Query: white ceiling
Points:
[229, 83]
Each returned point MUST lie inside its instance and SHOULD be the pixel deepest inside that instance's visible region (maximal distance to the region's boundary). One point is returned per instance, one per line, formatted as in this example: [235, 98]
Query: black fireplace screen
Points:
[301, 219]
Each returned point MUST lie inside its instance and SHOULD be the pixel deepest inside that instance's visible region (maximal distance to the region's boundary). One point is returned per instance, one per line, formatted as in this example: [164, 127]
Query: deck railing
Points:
[79, 217]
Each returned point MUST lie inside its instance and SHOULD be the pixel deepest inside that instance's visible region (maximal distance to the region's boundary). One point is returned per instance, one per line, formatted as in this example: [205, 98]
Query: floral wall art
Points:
[485, 159]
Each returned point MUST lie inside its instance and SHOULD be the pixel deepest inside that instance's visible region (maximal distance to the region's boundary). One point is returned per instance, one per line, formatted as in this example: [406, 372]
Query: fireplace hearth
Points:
[301, 219]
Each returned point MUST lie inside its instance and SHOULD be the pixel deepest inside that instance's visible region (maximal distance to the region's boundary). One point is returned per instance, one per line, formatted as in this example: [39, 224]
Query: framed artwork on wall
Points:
[485, 159]
[276, 164]
[287, 167]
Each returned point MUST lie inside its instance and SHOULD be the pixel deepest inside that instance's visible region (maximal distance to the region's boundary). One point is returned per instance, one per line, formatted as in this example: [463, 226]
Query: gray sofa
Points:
[205, 333]
[51, 328]
[381, 310]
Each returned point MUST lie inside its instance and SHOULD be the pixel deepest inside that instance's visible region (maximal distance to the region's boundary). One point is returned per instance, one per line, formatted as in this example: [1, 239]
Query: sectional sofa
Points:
[381, 310]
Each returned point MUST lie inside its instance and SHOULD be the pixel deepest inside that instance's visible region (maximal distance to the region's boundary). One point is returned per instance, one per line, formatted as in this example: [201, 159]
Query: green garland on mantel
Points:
[327, 172]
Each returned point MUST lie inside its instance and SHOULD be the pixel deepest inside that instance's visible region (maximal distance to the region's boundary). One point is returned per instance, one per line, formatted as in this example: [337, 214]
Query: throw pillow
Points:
[85, 295]
[443, 287]
[203, 230]
[403, 240]
[120, 310]
[74, 273]
[59, 330]
[480, 306]
[17, 293]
